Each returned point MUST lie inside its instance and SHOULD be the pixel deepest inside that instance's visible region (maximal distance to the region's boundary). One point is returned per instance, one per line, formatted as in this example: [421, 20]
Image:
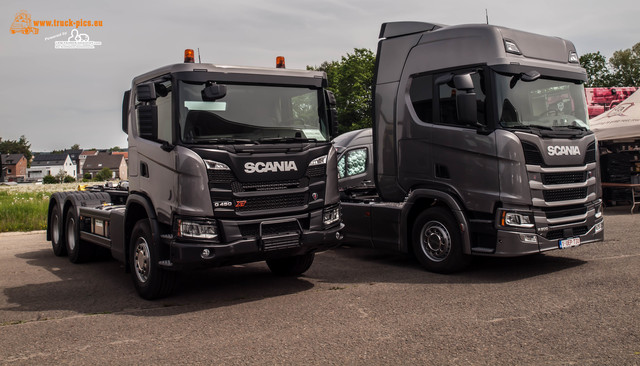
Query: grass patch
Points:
[24, 207]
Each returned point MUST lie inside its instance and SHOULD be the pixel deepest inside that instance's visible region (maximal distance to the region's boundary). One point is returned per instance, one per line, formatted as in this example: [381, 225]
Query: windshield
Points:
[251, 114]
[543, 103]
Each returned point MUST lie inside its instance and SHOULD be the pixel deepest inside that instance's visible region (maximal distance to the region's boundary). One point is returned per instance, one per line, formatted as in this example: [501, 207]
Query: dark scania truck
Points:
[227, 165]
[480, 146]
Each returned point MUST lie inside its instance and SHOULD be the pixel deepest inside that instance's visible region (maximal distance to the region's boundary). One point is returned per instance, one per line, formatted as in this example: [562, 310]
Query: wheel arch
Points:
[420, 200]
[138, 207]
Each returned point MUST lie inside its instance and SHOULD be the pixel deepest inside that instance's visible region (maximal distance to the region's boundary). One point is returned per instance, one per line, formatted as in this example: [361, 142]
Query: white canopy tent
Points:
[621, 122]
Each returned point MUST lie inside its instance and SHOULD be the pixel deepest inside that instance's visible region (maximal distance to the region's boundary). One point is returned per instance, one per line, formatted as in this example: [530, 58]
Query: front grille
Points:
[564, 178]
[590, 155]
[273, 202]
[567, 212]
[532, 155]
[219, 176]
[253, 230]
[554, 195]
[264, 186]
[316, 171]
[281, 242]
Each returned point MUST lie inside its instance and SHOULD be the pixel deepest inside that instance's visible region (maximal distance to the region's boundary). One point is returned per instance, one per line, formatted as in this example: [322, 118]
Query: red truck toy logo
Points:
[22, 24]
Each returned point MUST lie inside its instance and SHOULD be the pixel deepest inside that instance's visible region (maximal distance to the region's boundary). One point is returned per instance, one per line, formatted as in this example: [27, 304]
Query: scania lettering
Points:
[480, 146]
[563, 150]
[227, 165]
[277, 166]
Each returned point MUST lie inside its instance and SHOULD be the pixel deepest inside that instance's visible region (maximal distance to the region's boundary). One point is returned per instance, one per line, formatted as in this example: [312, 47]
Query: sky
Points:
[60, 97]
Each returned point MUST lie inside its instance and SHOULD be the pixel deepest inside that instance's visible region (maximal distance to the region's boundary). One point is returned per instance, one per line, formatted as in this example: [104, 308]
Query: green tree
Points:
[61, 175]
[598, 72]
[104, 174]
[351, 80]
[75, 147]
[21, 146]
[625, 65]
[115, 148]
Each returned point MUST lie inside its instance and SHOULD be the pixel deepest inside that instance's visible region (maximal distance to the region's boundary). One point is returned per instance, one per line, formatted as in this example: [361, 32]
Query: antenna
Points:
[486, 14]
[201, 61]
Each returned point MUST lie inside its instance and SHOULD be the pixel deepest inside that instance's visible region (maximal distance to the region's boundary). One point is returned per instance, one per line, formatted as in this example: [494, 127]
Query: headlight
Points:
[331, 215]
[197, 229]
[214, 165]
[318, 161]
[516, 219]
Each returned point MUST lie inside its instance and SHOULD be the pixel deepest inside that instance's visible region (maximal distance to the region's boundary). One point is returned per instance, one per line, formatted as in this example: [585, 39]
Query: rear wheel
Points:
[79, 251]
[291, 266]
[57, 232]
[437, 242]
[151, 281]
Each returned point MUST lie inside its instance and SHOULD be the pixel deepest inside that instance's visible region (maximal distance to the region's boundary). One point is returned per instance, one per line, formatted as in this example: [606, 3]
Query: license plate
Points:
[568, 243]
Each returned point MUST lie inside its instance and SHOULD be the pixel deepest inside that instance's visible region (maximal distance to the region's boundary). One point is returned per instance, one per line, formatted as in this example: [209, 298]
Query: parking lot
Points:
[354, 306]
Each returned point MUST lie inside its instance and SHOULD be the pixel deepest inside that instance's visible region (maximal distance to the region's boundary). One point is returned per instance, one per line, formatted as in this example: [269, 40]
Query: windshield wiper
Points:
[227, 140]
[528, 127]
[574, 127]
[286, 139]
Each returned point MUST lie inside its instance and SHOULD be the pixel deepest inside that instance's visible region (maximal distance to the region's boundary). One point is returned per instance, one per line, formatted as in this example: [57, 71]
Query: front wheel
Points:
[437, 242]
[291, 266]
[151, 281]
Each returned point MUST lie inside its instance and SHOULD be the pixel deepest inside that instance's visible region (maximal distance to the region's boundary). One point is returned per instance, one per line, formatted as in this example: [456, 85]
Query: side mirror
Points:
[125, 111]
[333, 113]
[213, 92]
[467, 108]
[146, 92]
[148, 122]
[463, 82]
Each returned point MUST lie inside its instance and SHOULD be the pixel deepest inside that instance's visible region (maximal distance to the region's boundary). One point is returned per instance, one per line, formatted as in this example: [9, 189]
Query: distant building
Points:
[51, 164]
[75, 158]
[116, 163]
[82, 158]
[14, 167]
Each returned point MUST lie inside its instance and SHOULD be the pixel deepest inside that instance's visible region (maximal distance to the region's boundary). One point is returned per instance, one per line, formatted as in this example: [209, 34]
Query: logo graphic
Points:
[77, 41]
[275, 166]
[619, 109]
[22, 24]
[562, 150]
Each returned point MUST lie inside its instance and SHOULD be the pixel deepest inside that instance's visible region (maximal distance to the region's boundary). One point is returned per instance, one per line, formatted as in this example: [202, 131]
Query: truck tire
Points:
[291, 266]
[150, 280]
[57, 232]
[437, 242]
[79, 251]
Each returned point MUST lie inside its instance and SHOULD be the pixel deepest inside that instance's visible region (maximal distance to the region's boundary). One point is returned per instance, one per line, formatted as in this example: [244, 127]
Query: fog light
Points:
[529, 238]
[598, 210]
[205, 253]
[598, 227]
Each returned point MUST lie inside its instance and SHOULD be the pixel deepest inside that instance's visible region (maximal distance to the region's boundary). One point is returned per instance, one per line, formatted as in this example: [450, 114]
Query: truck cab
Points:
[480, 146]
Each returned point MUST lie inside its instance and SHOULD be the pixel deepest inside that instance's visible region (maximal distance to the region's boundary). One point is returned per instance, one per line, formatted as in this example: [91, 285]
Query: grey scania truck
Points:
[227, 165]
[480, 146]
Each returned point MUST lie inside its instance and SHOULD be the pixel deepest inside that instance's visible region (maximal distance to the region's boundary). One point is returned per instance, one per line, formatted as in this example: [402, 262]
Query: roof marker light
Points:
[188, 56]
[280, 62]
[510, 47]
[573, 57]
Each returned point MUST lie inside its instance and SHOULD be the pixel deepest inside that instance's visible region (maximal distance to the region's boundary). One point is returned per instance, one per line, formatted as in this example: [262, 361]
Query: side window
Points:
[353, 162]
[447, 101]
[421, 95]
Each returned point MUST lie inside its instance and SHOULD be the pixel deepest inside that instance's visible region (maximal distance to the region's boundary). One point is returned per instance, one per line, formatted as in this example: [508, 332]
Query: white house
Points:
[51, 164]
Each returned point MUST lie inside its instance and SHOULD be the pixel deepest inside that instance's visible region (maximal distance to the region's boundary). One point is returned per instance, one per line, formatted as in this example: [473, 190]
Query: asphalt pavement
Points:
[355, 306]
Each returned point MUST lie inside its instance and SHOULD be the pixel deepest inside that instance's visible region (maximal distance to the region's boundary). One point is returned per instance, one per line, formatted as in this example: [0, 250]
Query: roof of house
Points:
[11, 159]
[49, 159]
[125, 153]
[100, 161]
[89, 152]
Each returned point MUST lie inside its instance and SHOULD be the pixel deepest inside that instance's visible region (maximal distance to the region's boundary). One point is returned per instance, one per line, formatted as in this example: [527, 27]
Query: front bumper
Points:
[510, 243]
[250, 249]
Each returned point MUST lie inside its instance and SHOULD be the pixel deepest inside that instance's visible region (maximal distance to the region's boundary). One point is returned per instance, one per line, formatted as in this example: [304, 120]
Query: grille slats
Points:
[273, 202]
[555, 195]
[532, 155]
[563, 178]
[559, 234]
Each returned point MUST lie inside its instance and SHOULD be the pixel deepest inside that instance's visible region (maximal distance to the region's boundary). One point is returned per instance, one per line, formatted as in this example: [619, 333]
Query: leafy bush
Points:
[104, 174]
[49, 179]
[86, 177]
[69, 179]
